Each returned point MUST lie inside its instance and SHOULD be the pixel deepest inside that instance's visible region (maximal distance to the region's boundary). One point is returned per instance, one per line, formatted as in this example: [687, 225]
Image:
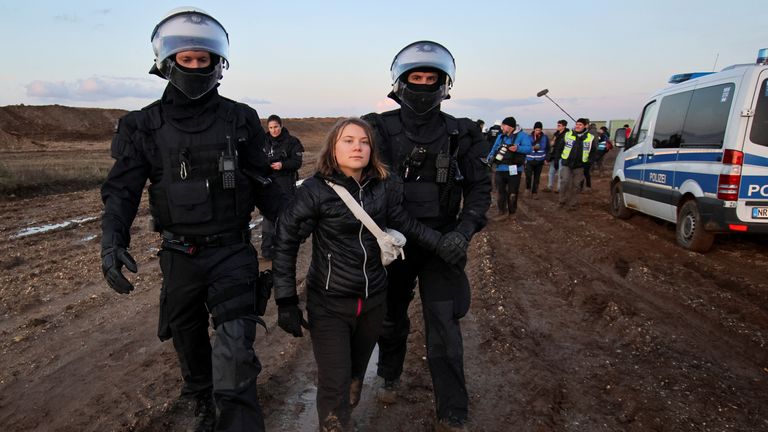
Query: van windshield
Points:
[759, 132]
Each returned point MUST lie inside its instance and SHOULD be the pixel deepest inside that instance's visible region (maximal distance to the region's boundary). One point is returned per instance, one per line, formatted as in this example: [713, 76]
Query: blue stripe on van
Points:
[634, 174]
[750, 159]
[754, 187]
[707, 182]
[659, 177]
[700, 157]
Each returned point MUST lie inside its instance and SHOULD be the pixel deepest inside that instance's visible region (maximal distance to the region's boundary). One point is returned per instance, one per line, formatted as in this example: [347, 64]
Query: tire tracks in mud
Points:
[613, 322]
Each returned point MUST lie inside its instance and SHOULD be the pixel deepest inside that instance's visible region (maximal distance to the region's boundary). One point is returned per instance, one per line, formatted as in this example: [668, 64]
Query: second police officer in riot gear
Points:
[202, 154]
[447, 187]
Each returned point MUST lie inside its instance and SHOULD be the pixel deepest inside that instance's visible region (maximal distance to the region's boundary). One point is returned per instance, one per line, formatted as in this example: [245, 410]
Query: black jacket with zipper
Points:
[346, 260]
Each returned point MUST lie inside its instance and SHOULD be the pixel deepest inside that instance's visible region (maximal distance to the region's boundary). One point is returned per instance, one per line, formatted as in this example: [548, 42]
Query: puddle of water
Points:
[88, 238]
[50, 227]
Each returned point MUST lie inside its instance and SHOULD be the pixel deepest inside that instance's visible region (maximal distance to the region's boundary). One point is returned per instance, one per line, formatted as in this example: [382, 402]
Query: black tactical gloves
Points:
[113, 258]
[452, 248]
[290, 319]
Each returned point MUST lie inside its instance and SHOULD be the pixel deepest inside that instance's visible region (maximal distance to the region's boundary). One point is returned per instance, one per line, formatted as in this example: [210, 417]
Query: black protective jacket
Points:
[346, 260]
[175, 143]
[556, 149]
[287, 149]
[459, 204]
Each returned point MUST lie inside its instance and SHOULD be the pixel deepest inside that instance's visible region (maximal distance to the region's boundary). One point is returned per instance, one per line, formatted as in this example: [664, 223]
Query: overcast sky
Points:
[331, 58]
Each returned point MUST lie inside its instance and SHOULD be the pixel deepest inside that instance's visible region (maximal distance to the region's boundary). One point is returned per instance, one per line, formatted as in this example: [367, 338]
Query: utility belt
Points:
[191, 244]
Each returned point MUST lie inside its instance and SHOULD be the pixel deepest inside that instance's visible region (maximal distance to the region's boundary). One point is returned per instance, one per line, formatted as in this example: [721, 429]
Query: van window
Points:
[707, 116]
[641, 132]
[669, 126]
[759, 132]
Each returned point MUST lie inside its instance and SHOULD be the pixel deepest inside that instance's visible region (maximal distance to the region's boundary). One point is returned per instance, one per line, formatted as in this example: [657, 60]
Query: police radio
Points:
[443, 164]
[227, 163]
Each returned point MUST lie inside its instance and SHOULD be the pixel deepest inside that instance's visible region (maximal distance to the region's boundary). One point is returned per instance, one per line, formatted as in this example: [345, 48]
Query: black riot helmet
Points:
[422, 56]
[190, 29]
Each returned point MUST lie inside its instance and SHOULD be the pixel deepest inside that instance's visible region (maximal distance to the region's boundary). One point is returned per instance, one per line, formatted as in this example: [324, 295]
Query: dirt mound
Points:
[21, 125]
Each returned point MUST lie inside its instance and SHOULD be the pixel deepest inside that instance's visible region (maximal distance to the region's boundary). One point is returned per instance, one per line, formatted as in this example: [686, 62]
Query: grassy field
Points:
[24, 174]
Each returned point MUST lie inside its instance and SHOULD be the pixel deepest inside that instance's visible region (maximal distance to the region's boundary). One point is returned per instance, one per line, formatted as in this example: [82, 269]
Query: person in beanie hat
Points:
[508, 156]
[534, 162]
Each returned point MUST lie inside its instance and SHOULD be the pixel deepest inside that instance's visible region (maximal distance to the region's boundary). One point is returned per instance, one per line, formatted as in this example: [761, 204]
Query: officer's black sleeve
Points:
[121, 192]
[399, 219]
[476, 188]
[292, 229]
[270, 198]
[295, 156]
[379, 139]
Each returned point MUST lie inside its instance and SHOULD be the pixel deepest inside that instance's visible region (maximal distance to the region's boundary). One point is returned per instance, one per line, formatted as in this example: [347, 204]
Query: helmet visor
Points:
[423, 54]
[190, 31]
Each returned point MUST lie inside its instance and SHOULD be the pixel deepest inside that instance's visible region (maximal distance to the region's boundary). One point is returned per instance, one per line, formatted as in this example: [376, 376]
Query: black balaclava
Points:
[420, 111]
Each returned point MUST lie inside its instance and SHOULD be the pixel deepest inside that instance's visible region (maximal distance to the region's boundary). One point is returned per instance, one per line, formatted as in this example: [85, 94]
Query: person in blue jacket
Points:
[534, 162]
[508, 156]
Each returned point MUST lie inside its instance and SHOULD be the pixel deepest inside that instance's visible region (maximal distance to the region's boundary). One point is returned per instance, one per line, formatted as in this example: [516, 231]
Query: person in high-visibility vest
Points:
[578, 151]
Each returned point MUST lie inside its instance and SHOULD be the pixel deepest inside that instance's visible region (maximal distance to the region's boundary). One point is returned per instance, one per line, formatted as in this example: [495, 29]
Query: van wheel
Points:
[690, 229]
[618, 209]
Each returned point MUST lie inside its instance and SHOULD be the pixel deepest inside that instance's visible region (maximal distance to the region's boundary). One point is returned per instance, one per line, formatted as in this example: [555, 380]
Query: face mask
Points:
[194, 83]
[421, 98]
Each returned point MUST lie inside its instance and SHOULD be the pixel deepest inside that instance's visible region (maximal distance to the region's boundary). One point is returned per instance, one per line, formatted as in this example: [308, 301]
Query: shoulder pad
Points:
[152, 116]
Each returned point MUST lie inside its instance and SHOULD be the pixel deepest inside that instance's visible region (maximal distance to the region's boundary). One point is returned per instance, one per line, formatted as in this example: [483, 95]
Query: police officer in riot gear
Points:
[202, 155]
[447, 187]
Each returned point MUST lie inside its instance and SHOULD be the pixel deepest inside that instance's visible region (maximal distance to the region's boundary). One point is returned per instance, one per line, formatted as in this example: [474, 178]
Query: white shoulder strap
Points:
[357, 210]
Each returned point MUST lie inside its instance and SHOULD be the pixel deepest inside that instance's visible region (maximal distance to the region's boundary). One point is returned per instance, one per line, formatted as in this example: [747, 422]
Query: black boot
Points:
[205, 413]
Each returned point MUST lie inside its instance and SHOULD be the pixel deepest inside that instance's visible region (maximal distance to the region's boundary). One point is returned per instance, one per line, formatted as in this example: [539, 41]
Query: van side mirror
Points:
[620, 137]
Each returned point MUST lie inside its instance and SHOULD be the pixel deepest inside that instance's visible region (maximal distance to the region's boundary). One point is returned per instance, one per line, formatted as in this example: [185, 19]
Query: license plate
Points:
[760, 213]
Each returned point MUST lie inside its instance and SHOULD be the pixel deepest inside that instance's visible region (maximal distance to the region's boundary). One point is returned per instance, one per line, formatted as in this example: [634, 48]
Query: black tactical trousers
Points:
[533, 175]
[231, 367]
[342, 341]
[445, 297]
[508, 187]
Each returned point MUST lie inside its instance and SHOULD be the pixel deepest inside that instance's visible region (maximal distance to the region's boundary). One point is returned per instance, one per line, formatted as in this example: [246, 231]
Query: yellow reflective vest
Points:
[570, 138]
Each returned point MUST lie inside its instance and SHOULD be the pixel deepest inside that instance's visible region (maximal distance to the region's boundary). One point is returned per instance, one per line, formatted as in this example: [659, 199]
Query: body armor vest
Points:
[427, 192]
[190, 197]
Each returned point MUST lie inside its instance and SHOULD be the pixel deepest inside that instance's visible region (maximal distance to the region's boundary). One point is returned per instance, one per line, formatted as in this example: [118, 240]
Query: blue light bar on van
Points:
[683, 77]
[762, 56]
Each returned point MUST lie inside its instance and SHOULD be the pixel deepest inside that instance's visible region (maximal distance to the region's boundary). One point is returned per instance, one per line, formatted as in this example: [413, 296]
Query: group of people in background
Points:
[570, 154]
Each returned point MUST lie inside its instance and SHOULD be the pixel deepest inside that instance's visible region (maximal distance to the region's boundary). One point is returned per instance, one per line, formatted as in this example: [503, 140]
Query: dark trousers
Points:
[231, 367]
[445, 297]
[507, 187]
[267, 238]
[342, 342]
[532, 175]
[587, 177]
[288, 184]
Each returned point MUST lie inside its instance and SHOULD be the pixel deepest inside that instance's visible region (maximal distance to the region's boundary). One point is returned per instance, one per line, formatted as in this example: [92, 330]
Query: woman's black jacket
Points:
[346, 259]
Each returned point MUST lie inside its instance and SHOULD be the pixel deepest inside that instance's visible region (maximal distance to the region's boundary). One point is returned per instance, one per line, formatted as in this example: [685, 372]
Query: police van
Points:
[698, 155]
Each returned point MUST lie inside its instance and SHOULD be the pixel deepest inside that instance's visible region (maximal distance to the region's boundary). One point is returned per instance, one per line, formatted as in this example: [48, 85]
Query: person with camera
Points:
[285, 154]
[346, 283]
[508, 156]
[202, 156]
[447, 187]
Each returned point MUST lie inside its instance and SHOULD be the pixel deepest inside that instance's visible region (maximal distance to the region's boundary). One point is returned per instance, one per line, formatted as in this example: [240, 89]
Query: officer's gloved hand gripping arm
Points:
[476, 198]
[293, 226]
[121, 194]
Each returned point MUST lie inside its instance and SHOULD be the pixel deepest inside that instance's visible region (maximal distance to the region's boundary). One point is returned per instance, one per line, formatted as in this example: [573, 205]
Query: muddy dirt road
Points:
[579, 322]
